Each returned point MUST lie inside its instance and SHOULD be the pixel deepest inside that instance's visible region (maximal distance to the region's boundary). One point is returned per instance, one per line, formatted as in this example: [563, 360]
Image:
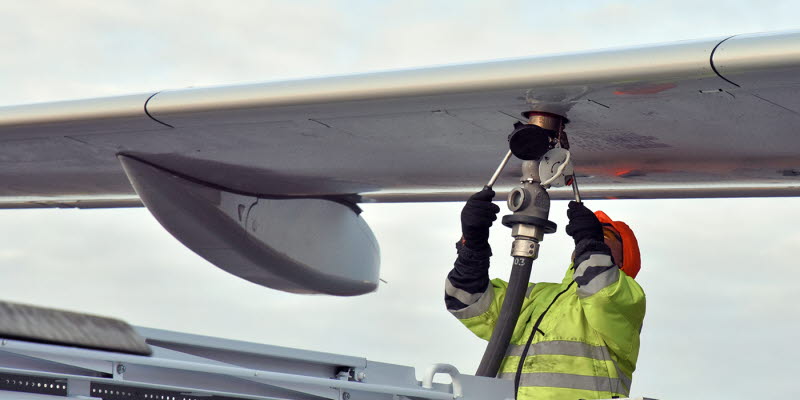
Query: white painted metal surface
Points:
[304, 245]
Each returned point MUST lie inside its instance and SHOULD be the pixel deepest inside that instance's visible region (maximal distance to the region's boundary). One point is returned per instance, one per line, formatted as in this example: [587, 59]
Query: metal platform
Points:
[192, 367]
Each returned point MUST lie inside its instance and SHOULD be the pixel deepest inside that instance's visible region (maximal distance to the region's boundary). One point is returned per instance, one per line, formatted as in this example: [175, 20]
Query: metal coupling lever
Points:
[497, 172]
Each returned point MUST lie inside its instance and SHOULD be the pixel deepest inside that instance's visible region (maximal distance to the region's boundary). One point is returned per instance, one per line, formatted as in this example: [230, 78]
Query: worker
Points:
[578, 339]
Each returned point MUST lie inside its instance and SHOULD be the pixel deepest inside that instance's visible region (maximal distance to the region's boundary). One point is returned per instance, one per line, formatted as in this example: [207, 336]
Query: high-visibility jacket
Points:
[587, 338]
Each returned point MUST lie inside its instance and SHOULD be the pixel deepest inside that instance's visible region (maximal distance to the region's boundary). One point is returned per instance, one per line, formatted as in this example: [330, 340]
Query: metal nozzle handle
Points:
[496, 175]
[575, 190]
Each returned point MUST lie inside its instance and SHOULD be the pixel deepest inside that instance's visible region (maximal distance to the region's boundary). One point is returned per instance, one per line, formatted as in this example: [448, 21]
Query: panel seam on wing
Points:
[150, 115]
[714, 67]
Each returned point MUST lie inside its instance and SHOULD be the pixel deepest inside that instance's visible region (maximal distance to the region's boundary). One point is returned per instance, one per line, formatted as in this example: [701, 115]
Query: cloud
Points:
[74, 49]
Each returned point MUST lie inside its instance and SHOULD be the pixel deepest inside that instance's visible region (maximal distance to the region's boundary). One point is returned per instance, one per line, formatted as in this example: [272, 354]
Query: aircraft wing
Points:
[707, 118]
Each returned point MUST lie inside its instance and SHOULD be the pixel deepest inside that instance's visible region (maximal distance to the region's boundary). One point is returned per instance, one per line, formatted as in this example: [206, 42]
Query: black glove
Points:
[583, 224]
[476, 218]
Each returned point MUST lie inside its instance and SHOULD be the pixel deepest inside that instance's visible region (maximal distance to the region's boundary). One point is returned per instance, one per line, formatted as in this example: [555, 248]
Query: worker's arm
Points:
[613, 303]
[469, 295]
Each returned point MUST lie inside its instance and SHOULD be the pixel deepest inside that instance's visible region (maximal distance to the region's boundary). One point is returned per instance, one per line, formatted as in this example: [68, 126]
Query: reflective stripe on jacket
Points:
[587, 343]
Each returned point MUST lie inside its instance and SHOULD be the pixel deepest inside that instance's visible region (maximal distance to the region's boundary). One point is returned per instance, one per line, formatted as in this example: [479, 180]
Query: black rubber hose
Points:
[509, 313]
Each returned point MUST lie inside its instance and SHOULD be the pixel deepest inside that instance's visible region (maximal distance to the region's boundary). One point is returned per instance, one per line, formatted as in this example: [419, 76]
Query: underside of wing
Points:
[708, 118]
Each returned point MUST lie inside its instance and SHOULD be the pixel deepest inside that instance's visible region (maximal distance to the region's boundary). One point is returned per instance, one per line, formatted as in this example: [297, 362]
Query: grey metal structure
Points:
[191, 367]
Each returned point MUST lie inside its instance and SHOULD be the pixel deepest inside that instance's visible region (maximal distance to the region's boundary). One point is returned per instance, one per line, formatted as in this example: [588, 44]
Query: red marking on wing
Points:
[623, 172]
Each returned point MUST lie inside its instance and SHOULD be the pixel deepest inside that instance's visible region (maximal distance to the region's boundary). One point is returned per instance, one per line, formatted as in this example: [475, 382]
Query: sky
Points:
[720, 275]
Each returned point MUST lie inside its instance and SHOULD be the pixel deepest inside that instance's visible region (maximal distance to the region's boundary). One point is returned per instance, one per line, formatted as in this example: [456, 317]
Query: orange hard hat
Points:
[631, 260]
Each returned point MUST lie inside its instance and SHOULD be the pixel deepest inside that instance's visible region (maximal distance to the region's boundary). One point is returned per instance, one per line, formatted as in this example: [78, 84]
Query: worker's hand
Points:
[476, 218]
[583, 224]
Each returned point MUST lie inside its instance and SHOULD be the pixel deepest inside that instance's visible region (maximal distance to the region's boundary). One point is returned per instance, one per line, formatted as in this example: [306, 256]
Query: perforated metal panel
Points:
[122, 392]
[33, 384]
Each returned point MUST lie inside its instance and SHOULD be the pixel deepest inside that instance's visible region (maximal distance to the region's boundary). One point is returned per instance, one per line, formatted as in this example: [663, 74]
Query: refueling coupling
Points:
[530, 205]
[530, 202]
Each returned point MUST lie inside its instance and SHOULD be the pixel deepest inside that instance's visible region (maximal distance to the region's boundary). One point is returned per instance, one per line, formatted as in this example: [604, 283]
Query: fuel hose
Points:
[507, 321]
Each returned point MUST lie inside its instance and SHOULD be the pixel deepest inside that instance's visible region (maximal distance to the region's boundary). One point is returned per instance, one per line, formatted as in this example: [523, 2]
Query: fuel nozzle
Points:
[530, 205]
[530, 202]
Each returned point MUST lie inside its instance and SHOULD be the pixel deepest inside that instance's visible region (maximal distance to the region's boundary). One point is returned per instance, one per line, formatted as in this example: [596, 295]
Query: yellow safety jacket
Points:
[587, 330]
